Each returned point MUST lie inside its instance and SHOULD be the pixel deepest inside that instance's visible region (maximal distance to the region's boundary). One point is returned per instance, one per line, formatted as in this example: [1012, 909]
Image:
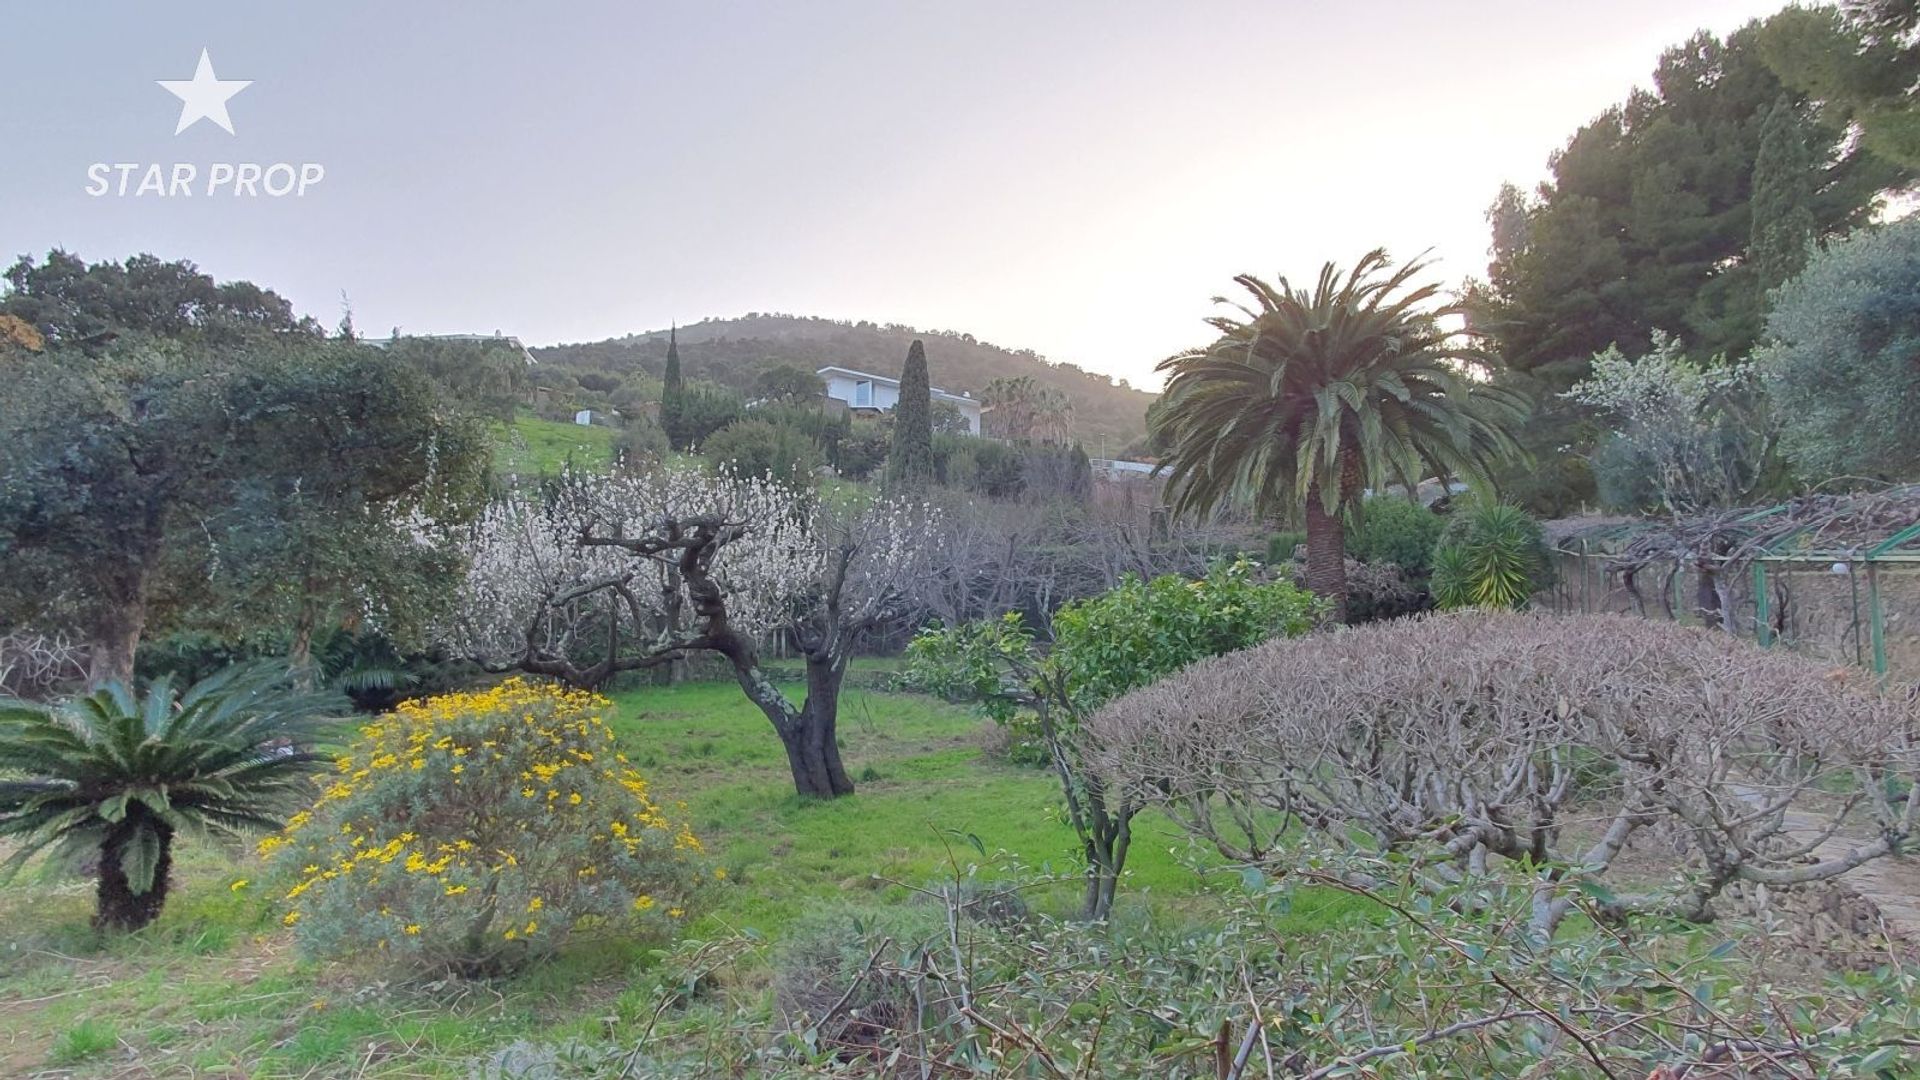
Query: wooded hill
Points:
[1107, 414]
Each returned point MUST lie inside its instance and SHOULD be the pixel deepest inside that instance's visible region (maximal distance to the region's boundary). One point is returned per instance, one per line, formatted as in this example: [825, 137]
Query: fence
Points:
[1834, 576]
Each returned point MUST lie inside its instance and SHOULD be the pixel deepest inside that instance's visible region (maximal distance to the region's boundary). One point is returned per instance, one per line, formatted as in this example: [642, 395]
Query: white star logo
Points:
[204, 97]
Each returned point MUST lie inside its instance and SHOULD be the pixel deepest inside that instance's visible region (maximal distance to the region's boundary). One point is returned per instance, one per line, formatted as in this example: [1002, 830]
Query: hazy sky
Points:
[1074, 177]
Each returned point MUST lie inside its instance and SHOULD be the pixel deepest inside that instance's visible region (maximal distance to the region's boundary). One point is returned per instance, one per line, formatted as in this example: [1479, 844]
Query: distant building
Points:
[1113, 469]
[585, 417]
[868, 394]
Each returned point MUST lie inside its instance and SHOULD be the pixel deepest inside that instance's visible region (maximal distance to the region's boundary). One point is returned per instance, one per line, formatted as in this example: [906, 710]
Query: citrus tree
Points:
[1102, 647]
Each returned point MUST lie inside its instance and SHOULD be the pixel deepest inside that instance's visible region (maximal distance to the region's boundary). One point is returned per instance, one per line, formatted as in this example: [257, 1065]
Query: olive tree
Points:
[600, 575]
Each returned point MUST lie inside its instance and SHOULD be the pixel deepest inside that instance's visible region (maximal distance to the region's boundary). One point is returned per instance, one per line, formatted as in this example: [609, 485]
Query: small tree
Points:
[612, 574]
[910, 462]
[1700, 433]
[1103, 647]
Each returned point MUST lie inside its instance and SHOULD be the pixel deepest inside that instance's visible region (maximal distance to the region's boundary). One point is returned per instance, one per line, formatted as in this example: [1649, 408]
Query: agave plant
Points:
[120, 774]
[1491, 555]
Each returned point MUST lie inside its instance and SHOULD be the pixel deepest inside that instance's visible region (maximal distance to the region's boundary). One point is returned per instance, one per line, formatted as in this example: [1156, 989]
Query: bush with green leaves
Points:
[1408, 985]
[1282, 545]
[119, 775]
[1491, 555]
[1839, 356]
[1390, 529]
[1103, 646]
[702, 410]
[473, 832]
[754, 448]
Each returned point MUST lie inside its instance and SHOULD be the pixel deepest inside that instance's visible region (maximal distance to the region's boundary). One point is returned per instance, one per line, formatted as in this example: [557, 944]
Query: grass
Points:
[529, 446]
[215, 989]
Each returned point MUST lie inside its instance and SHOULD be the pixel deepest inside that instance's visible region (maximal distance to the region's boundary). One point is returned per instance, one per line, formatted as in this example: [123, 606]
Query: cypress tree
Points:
[1080, 482]
[910, 460]
[673, 395]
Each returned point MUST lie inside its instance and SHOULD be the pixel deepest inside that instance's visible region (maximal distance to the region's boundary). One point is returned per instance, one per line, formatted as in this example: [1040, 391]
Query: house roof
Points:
[831, 369]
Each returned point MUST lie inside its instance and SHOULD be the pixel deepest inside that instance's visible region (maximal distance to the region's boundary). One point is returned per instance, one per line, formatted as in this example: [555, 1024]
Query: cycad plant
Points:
[1316, 395]
[121, 773]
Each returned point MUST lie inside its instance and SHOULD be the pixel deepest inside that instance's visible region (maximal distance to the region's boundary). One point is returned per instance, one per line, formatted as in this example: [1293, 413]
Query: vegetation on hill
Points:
[1107, 414]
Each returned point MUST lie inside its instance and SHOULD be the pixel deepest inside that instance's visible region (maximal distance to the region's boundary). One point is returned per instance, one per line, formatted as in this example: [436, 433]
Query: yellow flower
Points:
[290, 918]
[531, 927]
[574, 799]
[720, 873]
[535, 904]
[674, 913]
[642, 903]
[456, 890]
[238, 885]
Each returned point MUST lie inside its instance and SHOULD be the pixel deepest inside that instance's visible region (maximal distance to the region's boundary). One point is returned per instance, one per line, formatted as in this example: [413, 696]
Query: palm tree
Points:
[1315, 396]
[121, 774]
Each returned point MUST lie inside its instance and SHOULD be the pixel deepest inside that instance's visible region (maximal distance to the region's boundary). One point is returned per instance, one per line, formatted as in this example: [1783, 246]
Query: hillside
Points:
[732, 352]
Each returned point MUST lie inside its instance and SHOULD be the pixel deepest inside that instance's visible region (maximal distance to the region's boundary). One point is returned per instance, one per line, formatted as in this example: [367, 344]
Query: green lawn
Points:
[215, 989]
[529, 446]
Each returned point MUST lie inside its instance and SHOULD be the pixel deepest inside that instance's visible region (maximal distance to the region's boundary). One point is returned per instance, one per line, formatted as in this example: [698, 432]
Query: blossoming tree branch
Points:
[599, 575]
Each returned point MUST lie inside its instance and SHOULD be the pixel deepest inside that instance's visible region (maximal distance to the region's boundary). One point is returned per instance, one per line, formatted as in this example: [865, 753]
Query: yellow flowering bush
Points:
[476, 830]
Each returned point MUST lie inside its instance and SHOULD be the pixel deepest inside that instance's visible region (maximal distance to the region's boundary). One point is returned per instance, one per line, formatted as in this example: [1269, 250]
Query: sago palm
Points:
[1314, 396]
[120, 774]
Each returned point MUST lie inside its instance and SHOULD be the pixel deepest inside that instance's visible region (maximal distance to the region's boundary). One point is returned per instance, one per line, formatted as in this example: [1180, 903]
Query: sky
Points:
[1080, 178]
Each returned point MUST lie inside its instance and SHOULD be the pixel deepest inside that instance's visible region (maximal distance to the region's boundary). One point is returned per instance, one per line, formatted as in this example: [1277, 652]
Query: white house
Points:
[864, 392]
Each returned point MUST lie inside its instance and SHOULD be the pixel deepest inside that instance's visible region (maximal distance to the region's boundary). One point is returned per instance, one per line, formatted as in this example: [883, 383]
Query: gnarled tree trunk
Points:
[808, 731]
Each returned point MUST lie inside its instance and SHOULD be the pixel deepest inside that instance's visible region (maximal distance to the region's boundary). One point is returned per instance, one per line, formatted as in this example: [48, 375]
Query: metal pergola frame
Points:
[1807, 545]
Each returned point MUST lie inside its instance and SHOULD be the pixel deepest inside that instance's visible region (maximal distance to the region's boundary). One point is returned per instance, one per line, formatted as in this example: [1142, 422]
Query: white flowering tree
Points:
[1698, 435]
[600, 575]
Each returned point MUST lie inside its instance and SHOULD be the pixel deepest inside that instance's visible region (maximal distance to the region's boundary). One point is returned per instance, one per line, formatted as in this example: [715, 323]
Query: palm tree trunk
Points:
[1326, 554]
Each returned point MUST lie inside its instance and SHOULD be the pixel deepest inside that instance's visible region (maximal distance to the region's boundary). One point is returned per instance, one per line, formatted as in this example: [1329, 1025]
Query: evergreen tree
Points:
[1784, 175]
[910, 462]
[1081, 474]
[673, 395]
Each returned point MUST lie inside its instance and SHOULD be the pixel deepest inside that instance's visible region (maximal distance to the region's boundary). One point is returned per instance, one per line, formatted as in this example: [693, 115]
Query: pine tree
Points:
[1784, 178]
[910, 461]
[673, 395]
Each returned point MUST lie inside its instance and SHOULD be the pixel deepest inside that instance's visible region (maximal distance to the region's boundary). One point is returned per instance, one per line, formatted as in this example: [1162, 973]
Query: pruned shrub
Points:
[474, 831]
[1542, 744]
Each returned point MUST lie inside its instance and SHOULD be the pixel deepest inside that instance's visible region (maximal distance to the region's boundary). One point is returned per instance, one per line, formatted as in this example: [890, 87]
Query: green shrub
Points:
[1395, 530]
[754, 448]
[474, 831]
[1490, 555]
[1135, 633]
[1282, 545]
[703, 410]
[640, 443]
